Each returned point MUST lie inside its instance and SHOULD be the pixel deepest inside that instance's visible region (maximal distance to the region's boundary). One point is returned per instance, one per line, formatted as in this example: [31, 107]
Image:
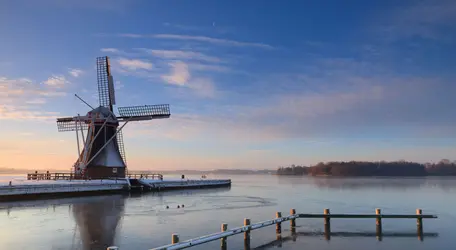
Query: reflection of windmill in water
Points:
[98, 220]
[103, 153]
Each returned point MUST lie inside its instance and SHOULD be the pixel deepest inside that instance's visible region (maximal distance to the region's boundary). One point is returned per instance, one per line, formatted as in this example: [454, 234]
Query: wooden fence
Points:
[326, 216]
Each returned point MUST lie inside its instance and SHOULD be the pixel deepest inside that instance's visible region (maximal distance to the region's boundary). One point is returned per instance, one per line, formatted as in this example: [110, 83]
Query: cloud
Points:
[110, 50]
[134, 64]
[75, 72]
[217, 41]
[195, 60]
[179, 74]
[425, 19]
[203, 87]
[377, 106]
[119, 6]
[209, 67]
[180, 54]
[184, 27]
[23, 99]
[36, 101]
[211, 27]
[57, 81]
[21, 113]
[133, 35]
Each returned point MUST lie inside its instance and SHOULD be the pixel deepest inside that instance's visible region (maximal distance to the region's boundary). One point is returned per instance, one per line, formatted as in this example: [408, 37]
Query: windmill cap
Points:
[102, 113]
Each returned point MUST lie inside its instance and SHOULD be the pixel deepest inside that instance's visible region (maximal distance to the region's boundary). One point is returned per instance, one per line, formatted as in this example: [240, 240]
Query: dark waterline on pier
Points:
[143, 222]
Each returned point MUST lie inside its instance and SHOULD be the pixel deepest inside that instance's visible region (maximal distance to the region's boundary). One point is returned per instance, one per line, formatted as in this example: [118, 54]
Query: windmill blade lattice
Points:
[70, 124]
[120, 144]
[105, 85]
[145, 111]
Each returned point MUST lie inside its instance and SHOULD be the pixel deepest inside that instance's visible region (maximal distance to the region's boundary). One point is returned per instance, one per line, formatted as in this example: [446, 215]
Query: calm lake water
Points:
[141, 222]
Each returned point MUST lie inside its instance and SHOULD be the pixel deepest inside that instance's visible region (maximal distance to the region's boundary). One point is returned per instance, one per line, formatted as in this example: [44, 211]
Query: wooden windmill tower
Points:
[103, 154]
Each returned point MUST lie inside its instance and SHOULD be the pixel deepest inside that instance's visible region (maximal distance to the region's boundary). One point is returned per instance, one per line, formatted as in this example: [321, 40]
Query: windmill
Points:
[103, 154]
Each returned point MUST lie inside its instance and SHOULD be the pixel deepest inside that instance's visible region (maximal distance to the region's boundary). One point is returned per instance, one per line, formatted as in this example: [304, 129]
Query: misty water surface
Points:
[142, 221]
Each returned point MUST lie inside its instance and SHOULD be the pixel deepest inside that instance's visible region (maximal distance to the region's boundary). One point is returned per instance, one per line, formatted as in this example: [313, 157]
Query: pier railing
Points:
[73, 176]
[144, 176]
[326, 216]
[52, 176]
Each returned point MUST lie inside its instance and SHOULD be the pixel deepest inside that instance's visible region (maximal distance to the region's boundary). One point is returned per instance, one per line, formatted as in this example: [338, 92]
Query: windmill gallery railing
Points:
[327, 216]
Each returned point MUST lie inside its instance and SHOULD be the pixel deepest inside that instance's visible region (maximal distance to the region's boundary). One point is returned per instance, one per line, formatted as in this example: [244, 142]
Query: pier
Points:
[55, 185]
[248, 227]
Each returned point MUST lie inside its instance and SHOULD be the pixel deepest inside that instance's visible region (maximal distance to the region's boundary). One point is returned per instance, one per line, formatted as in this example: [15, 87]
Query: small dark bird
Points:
[178, 206]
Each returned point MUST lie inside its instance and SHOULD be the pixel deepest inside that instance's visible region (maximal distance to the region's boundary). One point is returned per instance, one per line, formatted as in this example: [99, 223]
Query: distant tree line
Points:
[363, 168]
[293, 170]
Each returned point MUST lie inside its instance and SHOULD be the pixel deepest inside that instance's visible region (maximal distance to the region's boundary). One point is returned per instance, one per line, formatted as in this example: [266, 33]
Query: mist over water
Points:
[143, 222]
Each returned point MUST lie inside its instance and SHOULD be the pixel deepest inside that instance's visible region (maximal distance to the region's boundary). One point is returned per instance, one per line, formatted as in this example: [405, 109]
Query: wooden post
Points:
[327, 224]
[223, 240]
[247, 234]
[378, 223]
[293, 221]
[419, 224]
[278, 224]
[174, 238]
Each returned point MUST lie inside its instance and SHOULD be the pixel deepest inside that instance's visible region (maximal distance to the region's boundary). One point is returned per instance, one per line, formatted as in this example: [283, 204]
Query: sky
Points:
[251, 84]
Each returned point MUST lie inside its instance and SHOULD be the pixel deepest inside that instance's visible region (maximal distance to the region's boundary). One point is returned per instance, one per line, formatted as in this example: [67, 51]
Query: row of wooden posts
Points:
[248, 227]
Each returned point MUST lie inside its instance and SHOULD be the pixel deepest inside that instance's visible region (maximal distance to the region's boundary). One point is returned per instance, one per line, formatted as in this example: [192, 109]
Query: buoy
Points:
[178, 206]
[183, 206]
[167, 207]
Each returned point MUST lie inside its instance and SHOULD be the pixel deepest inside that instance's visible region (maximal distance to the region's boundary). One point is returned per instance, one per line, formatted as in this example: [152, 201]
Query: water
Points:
[142, 221]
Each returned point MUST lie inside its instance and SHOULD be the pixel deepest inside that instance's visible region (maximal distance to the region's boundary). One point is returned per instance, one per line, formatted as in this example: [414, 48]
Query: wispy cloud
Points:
[181, 54]
[203, 87]
[184, 27]
[425, 19]
[134, 64]
[21, 113]
[110, 50]
[75, 72]
[210, 67]
[213, 26]
[57, 81]
[22, 98]
[206, 39]
[118, 6]
[36, 101]
[180, 75]
[195, 60]
[389, 106]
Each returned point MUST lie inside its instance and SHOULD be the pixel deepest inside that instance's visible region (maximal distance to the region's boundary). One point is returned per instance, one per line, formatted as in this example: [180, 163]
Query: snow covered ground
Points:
[17, 180]
[21, 186]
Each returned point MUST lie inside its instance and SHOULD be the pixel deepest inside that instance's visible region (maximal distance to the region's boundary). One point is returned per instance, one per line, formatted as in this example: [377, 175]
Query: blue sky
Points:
[252, 84]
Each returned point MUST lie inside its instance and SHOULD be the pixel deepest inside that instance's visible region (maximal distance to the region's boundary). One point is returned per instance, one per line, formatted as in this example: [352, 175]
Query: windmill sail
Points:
[105, 83]
[120, 143]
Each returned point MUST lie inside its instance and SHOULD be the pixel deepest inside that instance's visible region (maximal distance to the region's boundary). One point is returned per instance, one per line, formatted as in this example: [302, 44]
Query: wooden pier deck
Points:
[326, 216]
[56, 185]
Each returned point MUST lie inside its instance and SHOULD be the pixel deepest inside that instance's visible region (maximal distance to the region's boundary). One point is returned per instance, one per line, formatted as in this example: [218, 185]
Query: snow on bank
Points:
[25, 182]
